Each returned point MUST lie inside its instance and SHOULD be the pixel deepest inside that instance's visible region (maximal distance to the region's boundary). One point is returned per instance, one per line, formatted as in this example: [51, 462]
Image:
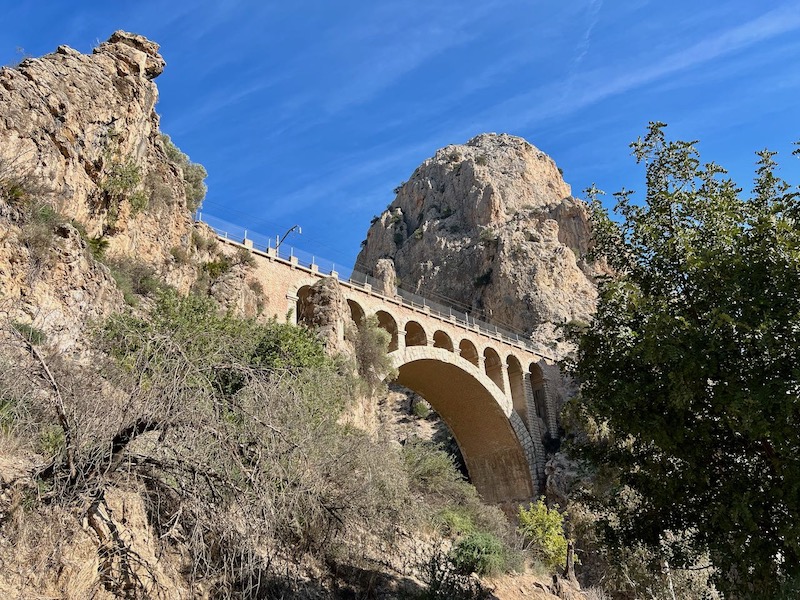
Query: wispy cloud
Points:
[391, 47]
[593, 16]
[600, 84]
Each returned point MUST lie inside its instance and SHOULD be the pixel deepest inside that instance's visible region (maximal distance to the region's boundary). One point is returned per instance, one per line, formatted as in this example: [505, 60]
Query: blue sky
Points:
[310, 112]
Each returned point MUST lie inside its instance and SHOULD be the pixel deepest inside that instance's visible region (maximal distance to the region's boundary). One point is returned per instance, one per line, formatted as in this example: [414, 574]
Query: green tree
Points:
[690, 372]
[543, 530]
[194, 174]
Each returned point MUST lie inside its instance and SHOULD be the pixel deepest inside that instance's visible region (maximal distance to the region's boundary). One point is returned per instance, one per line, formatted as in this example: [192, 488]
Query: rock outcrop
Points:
[82, 160]
[324, 309]
[490, 226]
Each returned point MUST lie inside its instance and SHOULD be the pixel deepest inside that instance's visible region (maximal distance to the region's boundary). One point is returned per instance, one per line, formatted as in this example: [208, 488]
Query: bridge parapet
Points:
[353, 279]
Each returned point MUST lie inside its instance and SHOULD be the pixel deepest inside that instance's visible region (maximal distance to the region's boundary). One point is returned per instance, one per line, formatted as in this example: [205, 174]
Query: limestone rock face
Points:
[385, 273]
[325, 310]
[62, 297]
[81, 157]
[82, 132]
[233, 293]
[491, 226]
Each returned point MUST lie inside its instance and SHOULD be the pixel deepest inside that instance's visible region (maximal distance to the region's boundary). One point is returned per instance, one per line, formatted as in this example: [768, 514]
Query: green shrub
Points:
[122, 179]
[446, 582]
[13, 191]
[456, 520]
[543, 530]
[37, 231]
[120, 184]
[258, 290]
[204, 244]
[97, 247]
[256, 287]
[180, 255]
[480, 553]
[421, 409]
[159, 192]
[488, 236]
[34, 336]
[139, 201]
[432, 471]
[418, 233]
[51, 440]
[283, 346]
[217, 268]
[372, 358]
[7, 414]
[482, 160]
[194, 174]
[134, 278]
[244, 257]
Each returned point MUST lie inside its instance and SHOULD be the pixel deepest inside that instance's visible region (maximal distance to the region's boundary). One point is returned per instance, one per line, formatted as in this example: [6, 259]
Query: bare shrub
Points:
[38, 231]
[231, 427]
[244, 257]
[233, 431]
[595, 593]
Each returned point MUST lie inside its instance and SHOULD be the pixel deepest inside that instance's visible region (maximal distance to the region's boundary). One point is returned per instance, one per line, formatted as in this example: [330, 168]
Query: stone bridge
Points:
[489, 386]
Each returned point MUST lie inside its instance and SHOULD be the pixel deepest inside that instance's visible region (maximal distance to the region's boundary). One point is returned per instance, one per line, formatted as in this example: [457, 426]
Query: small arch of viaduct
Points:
[492, 394]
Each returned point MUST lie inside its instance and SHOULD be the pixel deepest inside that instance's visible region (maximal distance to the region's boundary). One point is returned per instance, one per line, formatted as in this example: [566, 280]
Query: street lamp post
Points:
[296, 228]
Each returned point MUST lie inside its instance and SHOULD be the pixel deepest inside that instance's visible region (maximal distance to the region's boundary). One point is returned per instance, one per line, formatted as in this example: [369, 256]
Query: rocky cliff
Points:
[83, 167]
[491, 226]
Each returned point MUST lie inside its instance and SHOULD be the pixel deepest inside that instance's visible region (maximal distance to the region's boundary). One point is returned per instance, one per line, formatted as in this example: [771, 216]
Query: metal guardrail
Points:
[285, 252]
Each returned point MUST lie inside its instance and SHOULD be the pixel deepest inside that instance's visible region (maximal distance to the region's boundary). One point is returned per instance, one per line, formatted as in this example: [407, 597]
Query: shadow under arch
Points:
[478, 416]
[303, 308]
[494, 367]
[516, 380]
[442, 340]
[415, 334]
[356, 312]
[388, 322]
[468, 351]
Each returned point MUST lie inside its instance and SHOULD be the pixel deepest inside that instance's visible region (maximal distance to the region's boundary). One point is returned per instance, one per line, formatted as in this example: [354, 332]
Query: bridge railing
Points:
[264, 245]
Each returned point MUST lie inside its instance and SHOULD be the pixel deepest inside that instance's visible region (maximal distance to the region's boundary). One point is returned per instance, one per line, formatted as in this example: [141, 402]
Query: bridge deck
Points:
[365, 284]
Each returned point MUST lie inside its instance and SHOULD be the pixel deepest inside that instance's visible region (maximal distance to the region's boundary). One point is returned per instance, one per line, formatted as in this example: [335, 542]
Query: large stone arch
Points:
[500, 458]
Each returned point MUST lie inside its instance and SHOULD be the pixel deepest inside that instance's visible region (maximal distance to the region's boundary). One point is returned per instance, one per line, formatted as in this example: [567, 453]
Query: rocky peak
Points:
[490, 225]
[82, 129]
[80, 141]
[135, 51]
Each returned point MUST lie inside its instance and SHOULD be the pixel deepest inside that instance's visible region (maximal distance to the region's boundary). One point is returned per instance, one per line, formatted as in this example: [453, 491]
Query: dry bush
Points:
[231, 427]
[233, 432]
